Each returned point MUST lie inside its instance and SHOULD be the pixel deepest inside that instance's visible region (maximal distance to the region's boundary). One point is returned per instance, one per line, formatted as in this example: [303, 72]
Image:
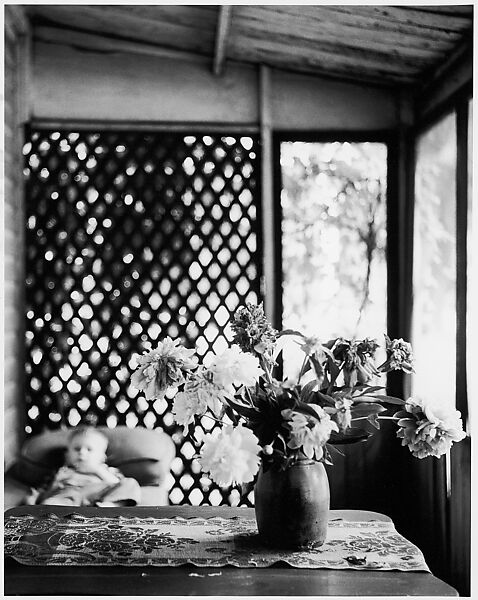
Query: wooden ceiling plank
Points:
[345, 35]
[109, 16]
[283, 45]
[205, 15]
[323, 25]
[187, 16]
[349, 15]
[261, 52]
[406, 14]
[370, 78]
[453, 9]
[223, 27]
[339, 72]
[132, 28]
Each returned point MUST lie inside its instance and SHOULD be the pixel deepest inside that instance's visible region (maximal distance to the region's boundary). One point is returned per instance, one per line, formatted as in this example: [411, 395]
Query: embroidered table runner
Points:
[75, 540]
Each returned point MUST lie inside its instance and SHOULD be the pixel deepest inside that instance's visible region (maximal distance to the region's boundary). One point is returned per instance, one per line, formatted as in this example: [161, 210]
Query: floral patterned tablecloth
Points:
[74, 539]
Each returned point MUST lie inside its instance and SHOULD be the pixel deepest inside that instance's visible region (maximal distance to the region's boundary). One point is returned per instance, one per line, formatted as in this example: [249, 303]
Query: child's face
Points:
[86, 452]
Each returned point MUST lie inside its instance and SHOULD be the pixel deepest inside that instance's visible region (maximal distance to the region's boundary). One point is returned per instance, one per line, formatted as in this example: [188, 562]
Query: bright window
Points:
[333, 204]
[472, 299]
[434, 264]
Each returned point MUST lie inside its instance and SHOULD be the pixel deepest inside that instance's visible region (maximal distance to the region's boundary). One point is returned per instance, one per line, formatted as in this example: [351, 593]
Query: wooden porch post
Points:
[269, 266]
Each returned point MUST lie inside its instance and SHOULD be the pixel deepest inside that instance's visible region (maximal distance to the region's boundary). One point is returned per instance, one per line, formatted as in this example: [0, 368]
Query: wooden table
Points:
[200, 581]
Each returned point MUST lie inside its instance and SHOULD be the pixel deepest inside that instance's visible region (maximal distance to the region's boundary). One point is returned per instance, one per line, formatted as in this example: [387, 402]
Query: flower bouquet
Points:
[273, 425]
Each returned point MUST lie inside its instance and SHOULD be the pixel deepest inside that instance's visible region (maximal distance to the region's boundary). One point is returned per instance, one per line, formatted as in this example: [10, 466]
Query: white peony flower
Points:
[443, 416]
[429, 430]
[198, 395]
[234, 366]
[308, 433]
[162, 368]
[230, 455]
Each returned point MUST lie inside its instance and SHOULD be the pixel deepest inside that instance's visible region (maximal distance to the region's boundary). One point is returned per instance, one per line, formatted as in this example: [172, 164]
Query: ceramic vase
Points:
[292, 505]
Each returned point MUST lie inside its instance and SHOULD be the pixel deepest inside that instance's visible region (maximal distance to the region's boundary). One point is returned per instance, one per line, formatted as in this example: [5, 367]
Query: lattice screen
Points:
[131, 237]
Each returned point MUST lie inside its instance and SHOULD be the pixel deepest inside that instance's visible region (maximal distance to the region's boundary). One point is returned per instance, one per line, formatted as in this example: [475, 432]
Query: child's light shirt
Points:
[68, 476]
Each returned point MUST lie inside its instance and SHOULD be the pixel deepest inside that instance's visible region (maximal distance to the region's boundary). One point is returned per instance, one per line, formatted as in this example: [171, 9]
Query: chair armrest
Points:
[154, 495]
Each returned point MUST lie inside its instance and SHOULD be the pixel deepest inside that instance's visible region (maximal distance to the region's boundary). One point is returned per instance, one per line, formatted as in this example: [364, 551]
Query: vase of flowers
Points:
[278, 433]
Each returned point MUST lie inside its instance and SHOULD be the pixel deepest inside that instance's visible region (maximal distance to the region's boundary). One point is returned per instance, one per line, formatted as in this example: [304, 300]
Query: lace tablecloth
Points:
[73, 539]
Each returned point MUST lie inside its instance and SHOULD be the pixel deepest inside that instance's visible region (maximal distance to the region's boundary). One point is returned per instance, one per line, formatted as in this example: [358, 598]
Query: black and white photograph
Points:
[239, 298]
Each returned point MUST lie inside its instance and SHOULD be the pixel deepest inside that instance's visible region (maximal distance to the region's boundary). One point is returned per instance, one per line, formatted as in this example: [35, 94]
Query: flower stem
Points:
[265, 366]
[249, 397]
[302, 369]
[214, 418]
[378, 417]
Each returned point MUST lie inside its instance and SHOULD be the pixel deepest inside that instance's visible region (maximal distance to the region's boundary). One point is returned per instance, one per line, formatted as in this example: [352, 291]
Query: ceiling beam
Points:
[222, 32]
[449, 64]
[454, 74]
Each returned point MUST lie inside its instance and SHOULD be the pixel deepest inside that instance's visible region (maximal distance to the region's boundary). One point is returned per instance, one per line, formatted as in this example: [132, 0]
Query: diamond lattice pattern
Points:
[130, 237]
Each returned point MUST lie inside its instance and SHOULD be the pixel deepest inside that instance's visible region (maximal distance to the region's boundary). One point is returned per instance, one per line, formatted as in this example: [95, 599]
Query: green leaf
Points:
[305, 369]
[365, 409]
[373, 420]
[352, 435]
[365, 400]
[307, 390]
[330, 343]
[343, 392]
[366, 389]
[290, 332]
[334, 449]
[389, 399]
[306, 410]
[327, 457]
[232, 415]
[319, 370]
[244, 411]
[325, 398]
[333, 369]
[377, 399]
[406, 422]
